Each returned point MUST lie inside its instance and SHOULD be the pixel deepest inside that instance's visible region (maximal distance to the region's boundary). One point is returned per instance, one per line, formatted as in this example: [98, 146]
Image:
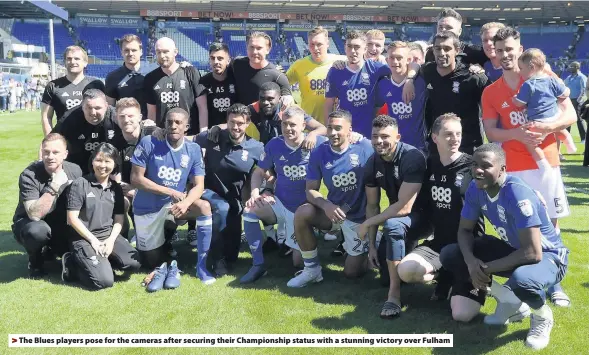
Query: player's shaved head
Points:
[165, 52]
[165, 42]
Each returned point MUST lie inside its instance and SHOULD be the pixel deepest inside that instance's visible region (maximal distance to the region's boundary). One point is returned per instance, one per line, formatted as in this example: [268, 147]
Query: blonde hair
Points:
[73, 49]
[533, 56]
[318, 31]
[397, 44]
[127, 102]
[376, 34]
[487, 26]
[260, 34]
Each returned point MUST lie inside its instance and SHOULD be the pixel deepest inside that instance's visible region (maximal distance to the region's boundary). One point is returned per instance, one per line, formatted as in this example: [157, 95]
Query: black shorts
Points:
[429, 255]
[466, 289]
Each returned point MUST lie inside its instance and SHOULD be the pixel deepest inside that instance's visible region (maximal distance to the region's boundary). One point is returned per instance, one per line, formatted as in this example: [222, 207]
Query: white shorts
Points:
[149, 228]
[553, 192]
[285, 222]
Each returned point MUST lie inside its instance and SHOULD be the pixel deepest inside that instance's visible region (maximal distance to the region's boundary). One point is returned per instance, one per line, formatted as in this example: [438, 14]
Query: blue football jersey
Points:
[356, 92]
[410, 117]
[290, 165]
[517, 206]
[492, 73]
[343, 175]
[165, 166]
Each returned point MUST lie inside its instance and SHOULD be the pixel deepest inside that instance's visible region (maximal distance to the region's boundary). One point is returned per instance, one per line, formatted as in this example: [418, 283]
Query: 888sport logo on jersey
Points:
[318, 86]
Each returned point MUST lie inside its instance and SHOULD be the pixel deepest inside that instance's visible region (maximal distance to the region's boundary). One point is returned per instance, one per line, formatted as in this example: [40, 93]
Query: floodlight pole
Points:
[52, 51]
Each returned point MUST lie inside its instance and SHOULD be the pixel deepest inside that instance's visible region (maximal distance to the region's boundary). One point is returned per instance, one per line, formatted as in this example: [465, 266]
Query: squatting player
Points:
[340, 165]
[160, 172]
[529, 250]
[354, 86]
[287, 159]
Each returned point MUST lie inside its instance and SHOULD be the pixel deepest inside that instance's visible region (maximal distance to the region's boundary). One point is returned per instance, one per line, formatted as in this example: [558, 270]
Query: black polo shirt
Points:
[220, 96]
[127, 153]
[32, 184]
[228, 166]
[83, 137]
[63, 95]
[170, 91]
[249, 80]
[469, 54]
[459, 92]
[124, 82]
[97, 205]
[408, 165]
[442, 196]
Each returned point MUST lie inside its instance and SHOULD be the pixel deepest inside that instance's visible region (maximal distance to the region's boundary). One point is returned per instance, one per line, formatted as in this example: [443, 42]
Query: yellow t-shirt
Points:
[312, 77]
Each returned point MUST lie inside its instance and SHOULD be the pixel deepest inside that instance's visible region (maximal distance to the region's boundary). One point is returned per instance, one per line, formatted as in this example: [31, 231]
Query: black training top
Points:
[124, 82]
[97, 205]
[63, 95]
[249, 80]
[220, 96]
[32, 184]
[127, 153]
[469, 54]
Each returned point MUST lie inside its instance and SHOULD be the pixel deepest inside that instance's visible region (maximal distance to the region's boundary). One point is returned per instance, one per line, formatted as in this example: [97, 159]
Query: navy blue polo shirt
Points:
[408, 165]
[97, 205]
[228, 165]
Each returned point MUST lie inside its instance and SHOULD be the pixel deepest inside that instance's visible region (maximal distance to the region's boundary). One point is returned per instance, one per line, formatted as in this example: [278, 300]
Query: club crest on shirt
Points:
[455, 87]
[231, 88]
[365, 79]
[305, 153]
[501, 213]
[182, 84]
[184, 160]
[110, 133]
[138, 151]
[327, 86]
[458, 181]
[354, 160]
[244, 155]
[526, 207]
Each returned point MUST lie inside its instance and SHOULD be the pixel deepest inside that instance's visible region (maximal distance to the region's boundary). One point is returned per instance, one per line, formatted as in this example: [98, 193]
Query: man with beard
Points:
[311, 73]
[492, 67]
[287, 160]
[228, 166]
[506, 124]
[452, 88]
[85, 127]
[160, 172]
[127, 81]
[529, 250]
[446, 179]
[355, 85]
[216, 90]
[65, 93]
[40, 216]
[171, 86]
[410, 117]
[340, 165]
[398, 169]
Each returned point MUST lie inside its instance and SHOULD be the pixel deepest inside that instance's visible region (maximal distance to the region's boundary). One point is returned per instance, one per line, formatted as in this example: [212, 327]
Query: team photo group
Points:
[462, 140]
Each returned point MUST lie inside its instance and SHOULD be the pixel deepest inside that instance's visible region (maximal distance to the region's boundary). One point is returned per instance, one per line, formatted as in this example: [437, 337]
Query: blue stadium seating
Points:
[38, 34]
[101, 40]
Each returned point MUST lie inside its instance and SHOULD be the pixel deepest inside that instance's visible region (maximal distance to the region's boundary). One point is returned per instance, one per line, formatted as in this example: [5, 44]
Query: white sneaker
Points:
[539, 334]
[329, 236]
[304, 277]
[191, 238]
[508, 312]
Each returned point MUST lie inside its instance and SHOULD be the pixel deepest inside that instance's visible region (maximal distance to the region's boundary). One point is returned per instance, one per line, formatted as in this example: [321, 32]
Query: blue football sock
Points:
[204, 232]
[253, 234]
[310, 258]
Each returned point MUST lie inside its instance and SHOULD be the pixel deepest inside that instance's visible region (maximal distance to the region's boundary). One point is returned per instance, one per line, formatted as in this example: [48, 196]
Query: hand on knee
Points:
[203, 207]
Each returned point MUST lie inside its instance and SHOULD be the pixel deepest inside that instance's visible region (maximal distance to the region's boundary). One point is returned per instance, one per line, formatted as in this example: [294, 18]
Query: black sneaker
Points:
[65, 271]
[269, 246]
[339, 250]
[36, 272]
[221, 269]
[284, 251]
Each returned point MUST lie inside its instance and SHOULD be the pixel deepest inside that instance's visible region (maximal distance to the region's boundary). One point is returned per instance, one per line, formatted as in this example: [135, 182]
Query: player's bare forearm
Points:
[203, 112]
[197, 189]
[256, 179]
[46, 118]
[530, 252]
[117, 226]
[371, 211]
[40, 208]
[406, 198]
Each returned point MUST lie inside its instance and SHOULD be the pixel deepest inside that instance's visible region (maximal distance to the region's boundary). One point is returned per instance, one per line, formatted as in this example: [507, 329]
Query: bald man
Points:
[171, 86]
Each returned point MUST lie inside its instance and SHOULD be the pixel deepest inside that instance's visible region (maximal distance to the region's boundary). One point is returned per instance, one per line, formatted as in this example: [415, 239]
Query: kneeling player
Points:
[397, 168]
[286, 157]
[445, 182]
[160, 170]
[341, 167]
